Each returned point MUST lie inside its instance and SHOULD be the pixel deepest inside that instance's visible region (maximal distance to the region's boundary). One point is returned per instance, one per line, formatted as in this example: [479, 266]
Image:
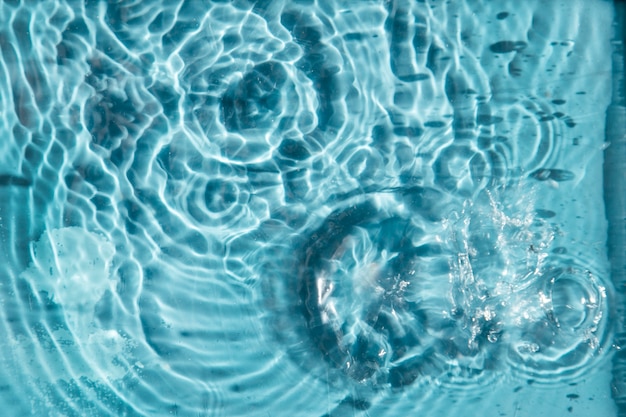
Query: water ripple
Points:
[238, 208]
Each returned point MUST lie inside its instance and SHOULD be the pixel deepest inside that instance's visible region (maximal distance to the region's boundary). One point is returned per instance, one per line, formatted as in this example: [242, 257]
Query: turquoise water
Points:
[305, 208]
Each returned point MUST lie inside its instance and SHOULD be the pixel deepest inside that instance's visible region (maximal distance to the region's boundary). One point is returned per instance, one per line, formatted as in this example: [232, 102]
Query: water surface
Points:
[300, 208]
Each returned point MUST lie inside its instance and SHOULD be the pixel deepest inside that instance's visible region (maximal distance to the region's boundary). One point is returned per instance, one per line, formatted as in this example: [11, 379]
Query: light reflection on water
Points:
[216, 208]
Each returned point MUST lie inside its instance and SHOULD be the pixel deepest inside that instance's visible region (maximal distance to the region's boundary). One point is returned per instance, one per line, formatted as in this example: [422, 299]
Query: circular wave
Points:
[354, 287]
[179, 156]
[372, 290]
[564, 329]
[390, 295]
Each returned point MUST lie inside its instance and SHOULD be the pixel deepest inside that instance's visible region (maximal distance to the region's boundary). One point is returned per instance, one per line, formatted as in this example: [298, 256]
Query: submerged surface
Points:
[299, 208]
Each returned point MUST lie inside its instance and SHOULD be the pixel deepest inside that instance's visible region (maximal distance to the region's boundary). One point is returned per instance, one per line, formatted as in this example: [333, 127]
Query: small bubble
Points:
[528, 348]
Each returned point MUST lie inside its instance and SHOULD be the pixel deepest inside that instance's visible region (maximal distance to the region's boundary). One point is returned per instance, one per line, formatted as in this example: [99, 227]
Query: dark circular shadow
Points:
[356, 284]
[256, 100]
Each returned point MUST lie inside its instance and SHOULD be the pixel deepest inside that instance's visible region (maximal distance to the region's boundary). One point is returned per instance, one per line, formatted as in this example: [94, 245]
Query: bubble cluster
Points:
[392, 295]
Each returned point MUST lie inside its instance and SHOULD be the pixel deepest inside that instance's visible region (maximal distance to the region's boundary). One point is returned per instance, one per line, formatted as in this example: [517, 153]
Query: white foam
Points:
[73, 266]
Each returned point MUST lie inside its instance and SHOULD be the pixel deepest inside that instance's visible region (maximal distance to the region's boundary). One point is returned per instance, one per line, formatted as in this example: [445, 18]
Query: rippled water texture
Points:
[301, 208]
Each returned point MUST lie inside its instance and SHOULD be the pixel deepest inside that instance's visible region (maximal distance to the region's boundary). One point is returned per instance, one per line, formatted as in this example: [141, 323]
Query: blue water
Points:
[305, 208]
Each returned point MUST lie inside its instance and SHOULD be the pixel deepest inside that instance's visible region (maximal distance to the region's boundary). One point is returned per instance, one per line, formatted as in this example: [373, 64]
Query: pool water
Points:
[307, 208]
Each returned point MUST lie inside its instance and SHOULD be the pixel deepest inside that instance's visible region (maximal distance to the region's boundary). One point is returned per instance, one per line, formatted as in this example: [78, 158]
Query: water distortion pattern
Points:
[298, 207]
